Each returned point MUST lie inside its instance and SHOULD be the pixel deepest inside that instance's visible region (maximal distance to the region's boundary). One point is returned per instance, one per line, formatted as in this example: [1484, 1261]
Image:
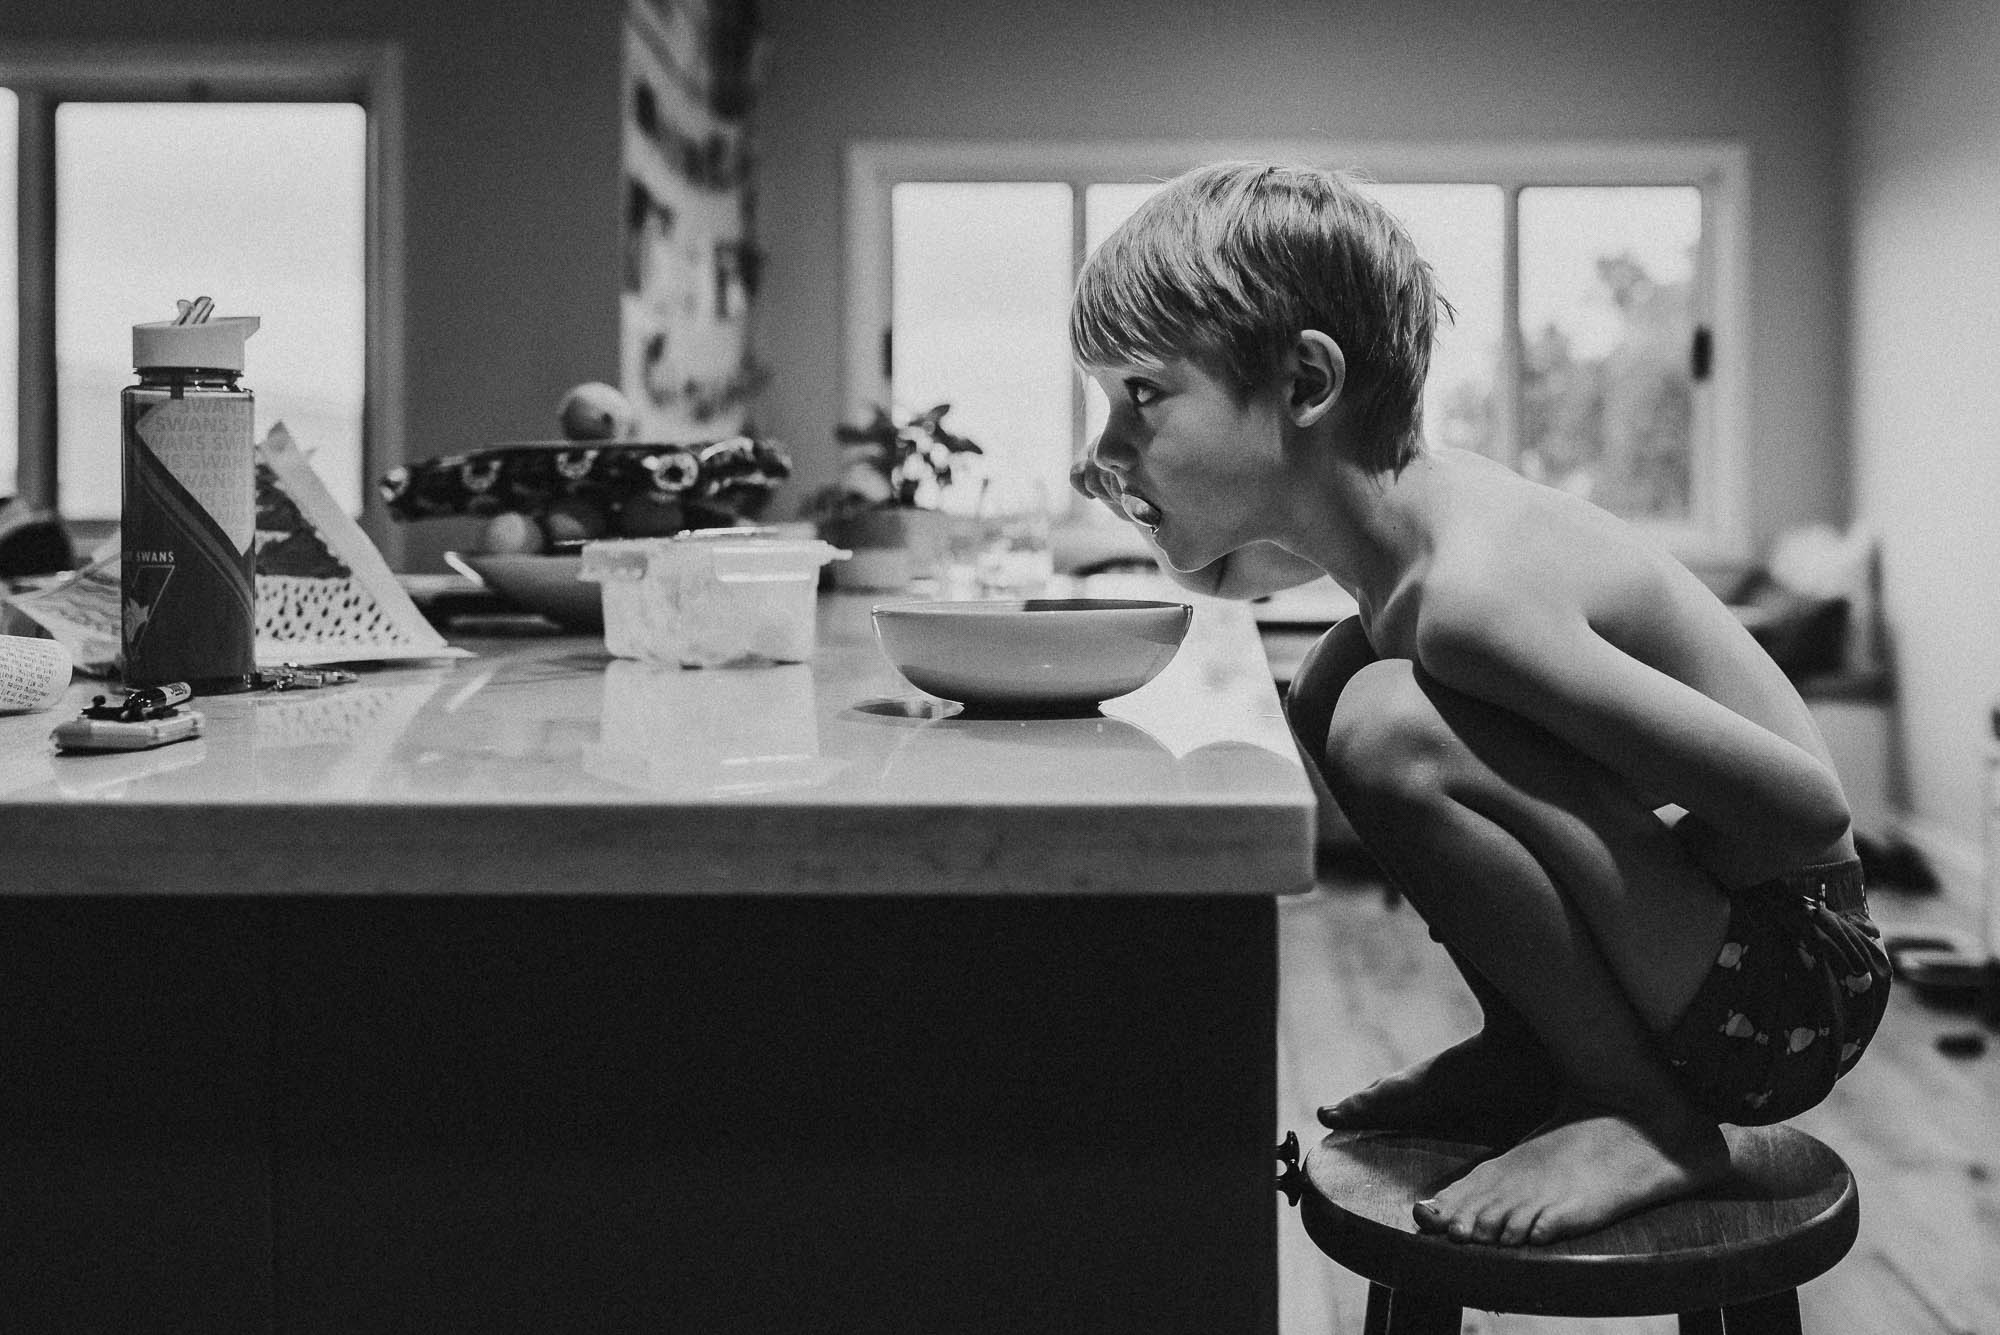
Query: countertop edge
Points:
[487, 849]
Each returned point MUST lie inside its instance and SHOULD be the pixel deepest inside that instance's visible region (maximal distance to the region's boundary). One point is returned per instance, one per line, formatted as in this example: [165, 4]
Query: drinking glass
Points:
[1011, 530]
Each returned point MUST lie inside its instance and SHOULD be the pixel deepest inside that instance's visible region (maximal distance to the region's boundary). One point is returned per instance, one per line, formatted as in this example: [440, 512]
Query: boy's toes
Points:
[1359, 1110]
[1455, 1218]
[1518, 1229]
[1488, 1225]
[1429, 1216]
[1336, 1116]
[1549, 1226]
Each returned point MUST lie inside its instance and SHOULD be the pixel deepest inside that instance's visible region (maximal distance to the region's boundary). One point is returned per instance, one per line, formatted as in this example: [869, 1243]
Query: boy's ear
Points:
[1318, 375]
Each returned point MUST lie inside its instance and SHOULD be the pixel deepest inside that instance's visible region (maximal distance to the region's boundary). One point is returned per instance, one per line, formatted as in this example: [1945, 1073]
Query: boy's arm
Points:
[1759, 804]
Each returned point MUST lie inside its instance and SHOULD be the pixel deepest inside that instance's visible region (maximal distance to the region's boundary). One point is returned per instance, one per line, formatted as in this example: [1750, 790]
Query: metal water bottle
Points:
[189, 515]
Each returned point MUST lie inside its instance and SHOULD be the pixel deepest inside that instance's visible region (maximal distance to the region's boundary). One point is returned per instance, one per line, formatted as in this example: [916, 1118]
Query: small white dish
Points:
[1033, 655]
[544, 584]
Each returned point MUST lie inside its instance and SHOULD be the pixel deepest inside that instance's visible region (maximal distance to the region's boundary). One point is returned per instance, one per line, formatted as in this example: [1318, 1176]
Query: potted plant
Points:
[884, 506]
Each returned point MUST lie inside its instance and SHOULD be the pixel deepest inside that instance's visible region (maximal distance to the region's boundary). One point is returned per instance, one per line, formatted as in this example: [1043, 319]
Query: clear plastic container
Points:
[711, 597]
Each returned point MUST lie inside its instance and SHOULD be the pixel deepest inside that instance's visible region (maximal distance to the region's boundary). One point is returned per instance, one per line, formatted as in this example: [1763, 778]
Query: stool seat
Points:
[1787, 1211]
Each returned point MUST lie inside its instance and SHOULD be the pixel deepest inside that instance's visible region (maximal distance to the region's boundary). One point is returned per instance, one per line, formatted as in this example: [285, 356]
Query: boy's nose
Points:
[1110, 453]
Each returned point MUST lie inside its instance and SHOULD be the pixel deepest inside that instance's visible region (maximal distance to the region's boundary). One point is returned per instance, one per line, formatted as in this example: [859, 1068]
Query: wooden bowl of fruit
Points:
[543, 499]
[543, 583]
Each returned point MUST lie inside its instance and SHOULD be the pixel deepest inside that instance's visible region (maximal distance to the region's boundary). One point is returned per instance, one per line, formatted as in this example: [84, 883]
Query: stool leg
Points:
[1380, 1299]
[1705, 1322]
[1399, 1312]
[1776, 1315]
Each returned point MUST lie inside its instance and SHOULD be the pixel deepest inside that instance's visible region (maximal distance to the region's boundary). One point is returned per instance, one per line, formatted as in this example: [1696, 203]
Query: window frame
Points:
[1716, 529]
[367, 73]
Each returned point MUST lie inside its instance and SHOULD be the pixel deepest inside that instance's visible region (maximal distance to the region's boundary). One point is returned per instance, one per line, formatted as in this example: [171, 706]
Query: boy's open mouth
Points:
[1141, 512]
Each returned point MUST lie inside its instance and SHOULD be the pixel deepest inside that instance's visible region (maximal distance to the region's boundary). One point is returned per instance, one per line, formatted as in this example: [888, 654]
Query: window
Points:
[979, 267]
[1597, 295]
[264, 181]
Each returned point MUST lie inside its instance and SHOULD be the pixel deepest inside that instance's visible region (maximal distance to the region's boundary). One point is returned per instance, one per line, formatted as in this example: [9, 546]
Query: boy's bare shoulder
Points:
[1525, 570]
[1526, 589]
[1504, 546]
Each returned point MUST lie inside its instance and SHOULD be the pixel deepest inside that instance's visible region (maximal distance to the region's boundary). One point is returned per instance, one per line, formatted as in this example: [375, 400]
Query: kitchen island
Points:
[541, 990]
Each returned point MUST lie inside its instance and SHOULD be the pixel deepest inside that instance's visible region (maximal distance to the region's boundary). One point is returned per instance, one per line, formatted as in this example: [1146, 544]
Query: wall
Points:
[1924, 208]
[1450, 70]
[512, 129]
[512, 191]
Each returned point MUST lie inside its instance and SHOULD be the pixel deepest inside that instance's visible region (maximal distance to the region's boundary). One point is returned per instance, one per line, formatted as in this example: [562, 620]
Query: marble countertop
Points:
[542, 765]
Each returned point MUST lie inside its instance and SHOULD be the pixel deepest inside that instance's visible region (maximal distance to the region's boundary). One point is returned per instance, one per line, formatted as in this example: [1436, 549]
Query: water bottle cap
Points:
[216, 343]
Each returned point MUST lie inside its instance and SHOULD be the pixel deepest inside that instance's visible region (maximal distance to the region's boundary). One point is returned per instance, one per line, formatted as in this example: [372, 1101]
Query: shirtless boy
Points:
[1531, 696]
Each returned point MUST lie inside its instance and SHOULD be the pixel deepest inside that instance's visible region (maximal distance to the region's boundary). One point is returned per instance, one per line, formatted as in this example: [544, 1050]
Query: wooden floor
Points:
[1363, 990]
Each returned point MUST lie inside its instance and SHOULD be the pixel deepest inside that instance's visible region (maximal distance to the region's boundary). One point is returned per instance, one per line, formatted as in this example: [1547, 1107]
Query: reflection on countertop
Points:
[555, 720]
[722, 733]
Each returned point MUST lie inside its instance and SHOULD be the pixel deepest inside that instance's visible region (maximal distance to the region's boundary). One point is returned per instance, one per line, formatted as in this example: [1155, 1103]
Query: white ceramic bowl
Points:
[544, 584]
[1036, 655]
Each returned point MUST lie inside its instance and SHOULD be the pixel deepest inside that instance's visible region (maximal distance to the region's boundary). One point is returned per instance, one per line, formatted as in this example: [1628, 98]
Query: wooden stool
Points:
[1728, 1261]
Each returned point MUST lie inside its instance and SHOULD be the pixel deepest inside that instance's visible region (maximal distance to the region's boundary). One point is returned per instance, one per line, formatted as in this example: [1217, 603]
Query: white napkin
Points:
[34, 673]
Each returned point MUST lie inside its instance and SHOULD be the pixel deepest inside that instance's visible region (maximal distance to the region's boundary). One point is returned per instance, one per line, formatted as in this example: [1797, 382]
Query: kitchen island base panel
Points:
[719, 1114]
[135, 1145]
[950, 1114]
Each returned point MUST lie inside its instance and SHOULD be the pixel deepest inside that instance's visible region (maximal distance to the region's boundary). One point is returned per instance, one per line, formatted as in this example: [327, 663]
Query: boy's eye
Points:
[1142, 394]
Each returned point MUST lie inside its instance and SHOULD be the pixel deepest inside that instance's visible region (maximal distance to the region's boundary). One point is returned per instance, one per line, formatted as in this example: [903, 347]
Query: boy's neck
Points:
[1370, 529]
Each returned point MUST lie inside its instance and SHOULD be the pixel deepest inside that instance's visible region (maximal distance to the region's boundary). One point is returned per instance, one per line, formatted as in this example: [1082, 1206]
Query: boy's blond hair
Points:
[1229, 263]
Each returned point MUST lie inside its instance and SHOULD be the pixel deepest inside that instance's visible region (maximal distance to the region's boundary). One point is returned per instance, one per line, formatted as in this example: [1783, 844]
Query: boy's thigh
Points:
[1396, 730]
[1404, 744]
[1393, 718]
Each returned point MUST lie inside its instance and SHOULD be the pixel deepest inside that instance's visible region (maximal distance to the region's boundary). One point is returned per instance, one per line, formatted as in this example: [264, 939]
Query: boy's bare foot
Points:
[1582, 1170]
[1488, 1089]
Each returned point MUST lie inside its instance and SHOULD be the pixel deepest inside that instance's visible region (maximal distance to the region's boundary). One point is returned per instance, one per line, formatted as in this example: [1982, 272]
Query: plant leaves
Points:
[908, 456]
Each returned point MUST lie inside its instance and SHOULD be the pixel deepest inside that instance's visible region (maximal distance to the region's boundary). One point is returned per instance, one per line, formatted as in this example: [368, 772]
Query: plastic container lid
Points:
[616, 558]
[216, 343]
[731, 555]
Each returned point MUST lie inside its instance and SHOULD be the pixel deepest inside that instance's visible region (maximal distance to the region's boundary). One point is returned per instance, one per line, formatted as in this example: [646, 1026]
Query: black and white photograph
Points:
[737, 667]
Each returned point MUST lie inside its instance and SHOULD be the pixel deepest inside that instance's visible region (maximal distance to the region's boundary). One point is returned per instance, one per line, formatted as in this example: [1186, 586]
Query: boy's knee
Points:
[1322, 674]
[1387, 745]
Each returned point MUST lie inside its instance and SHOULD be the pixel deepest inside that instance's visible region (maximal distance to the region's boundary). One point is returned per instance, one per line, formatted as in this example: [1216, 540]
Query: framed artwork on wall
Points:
[691, 263]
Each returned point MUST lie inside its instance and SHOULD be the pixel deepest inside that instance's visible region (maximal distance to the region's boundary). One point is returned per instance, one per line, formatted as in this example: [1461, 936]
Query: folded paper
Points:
[324, 593]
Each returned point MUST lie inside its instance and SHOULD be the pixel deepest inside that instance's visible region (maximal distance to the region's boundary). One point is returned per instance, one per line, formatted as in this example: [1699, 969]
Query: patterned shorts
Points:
[1795, 994]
